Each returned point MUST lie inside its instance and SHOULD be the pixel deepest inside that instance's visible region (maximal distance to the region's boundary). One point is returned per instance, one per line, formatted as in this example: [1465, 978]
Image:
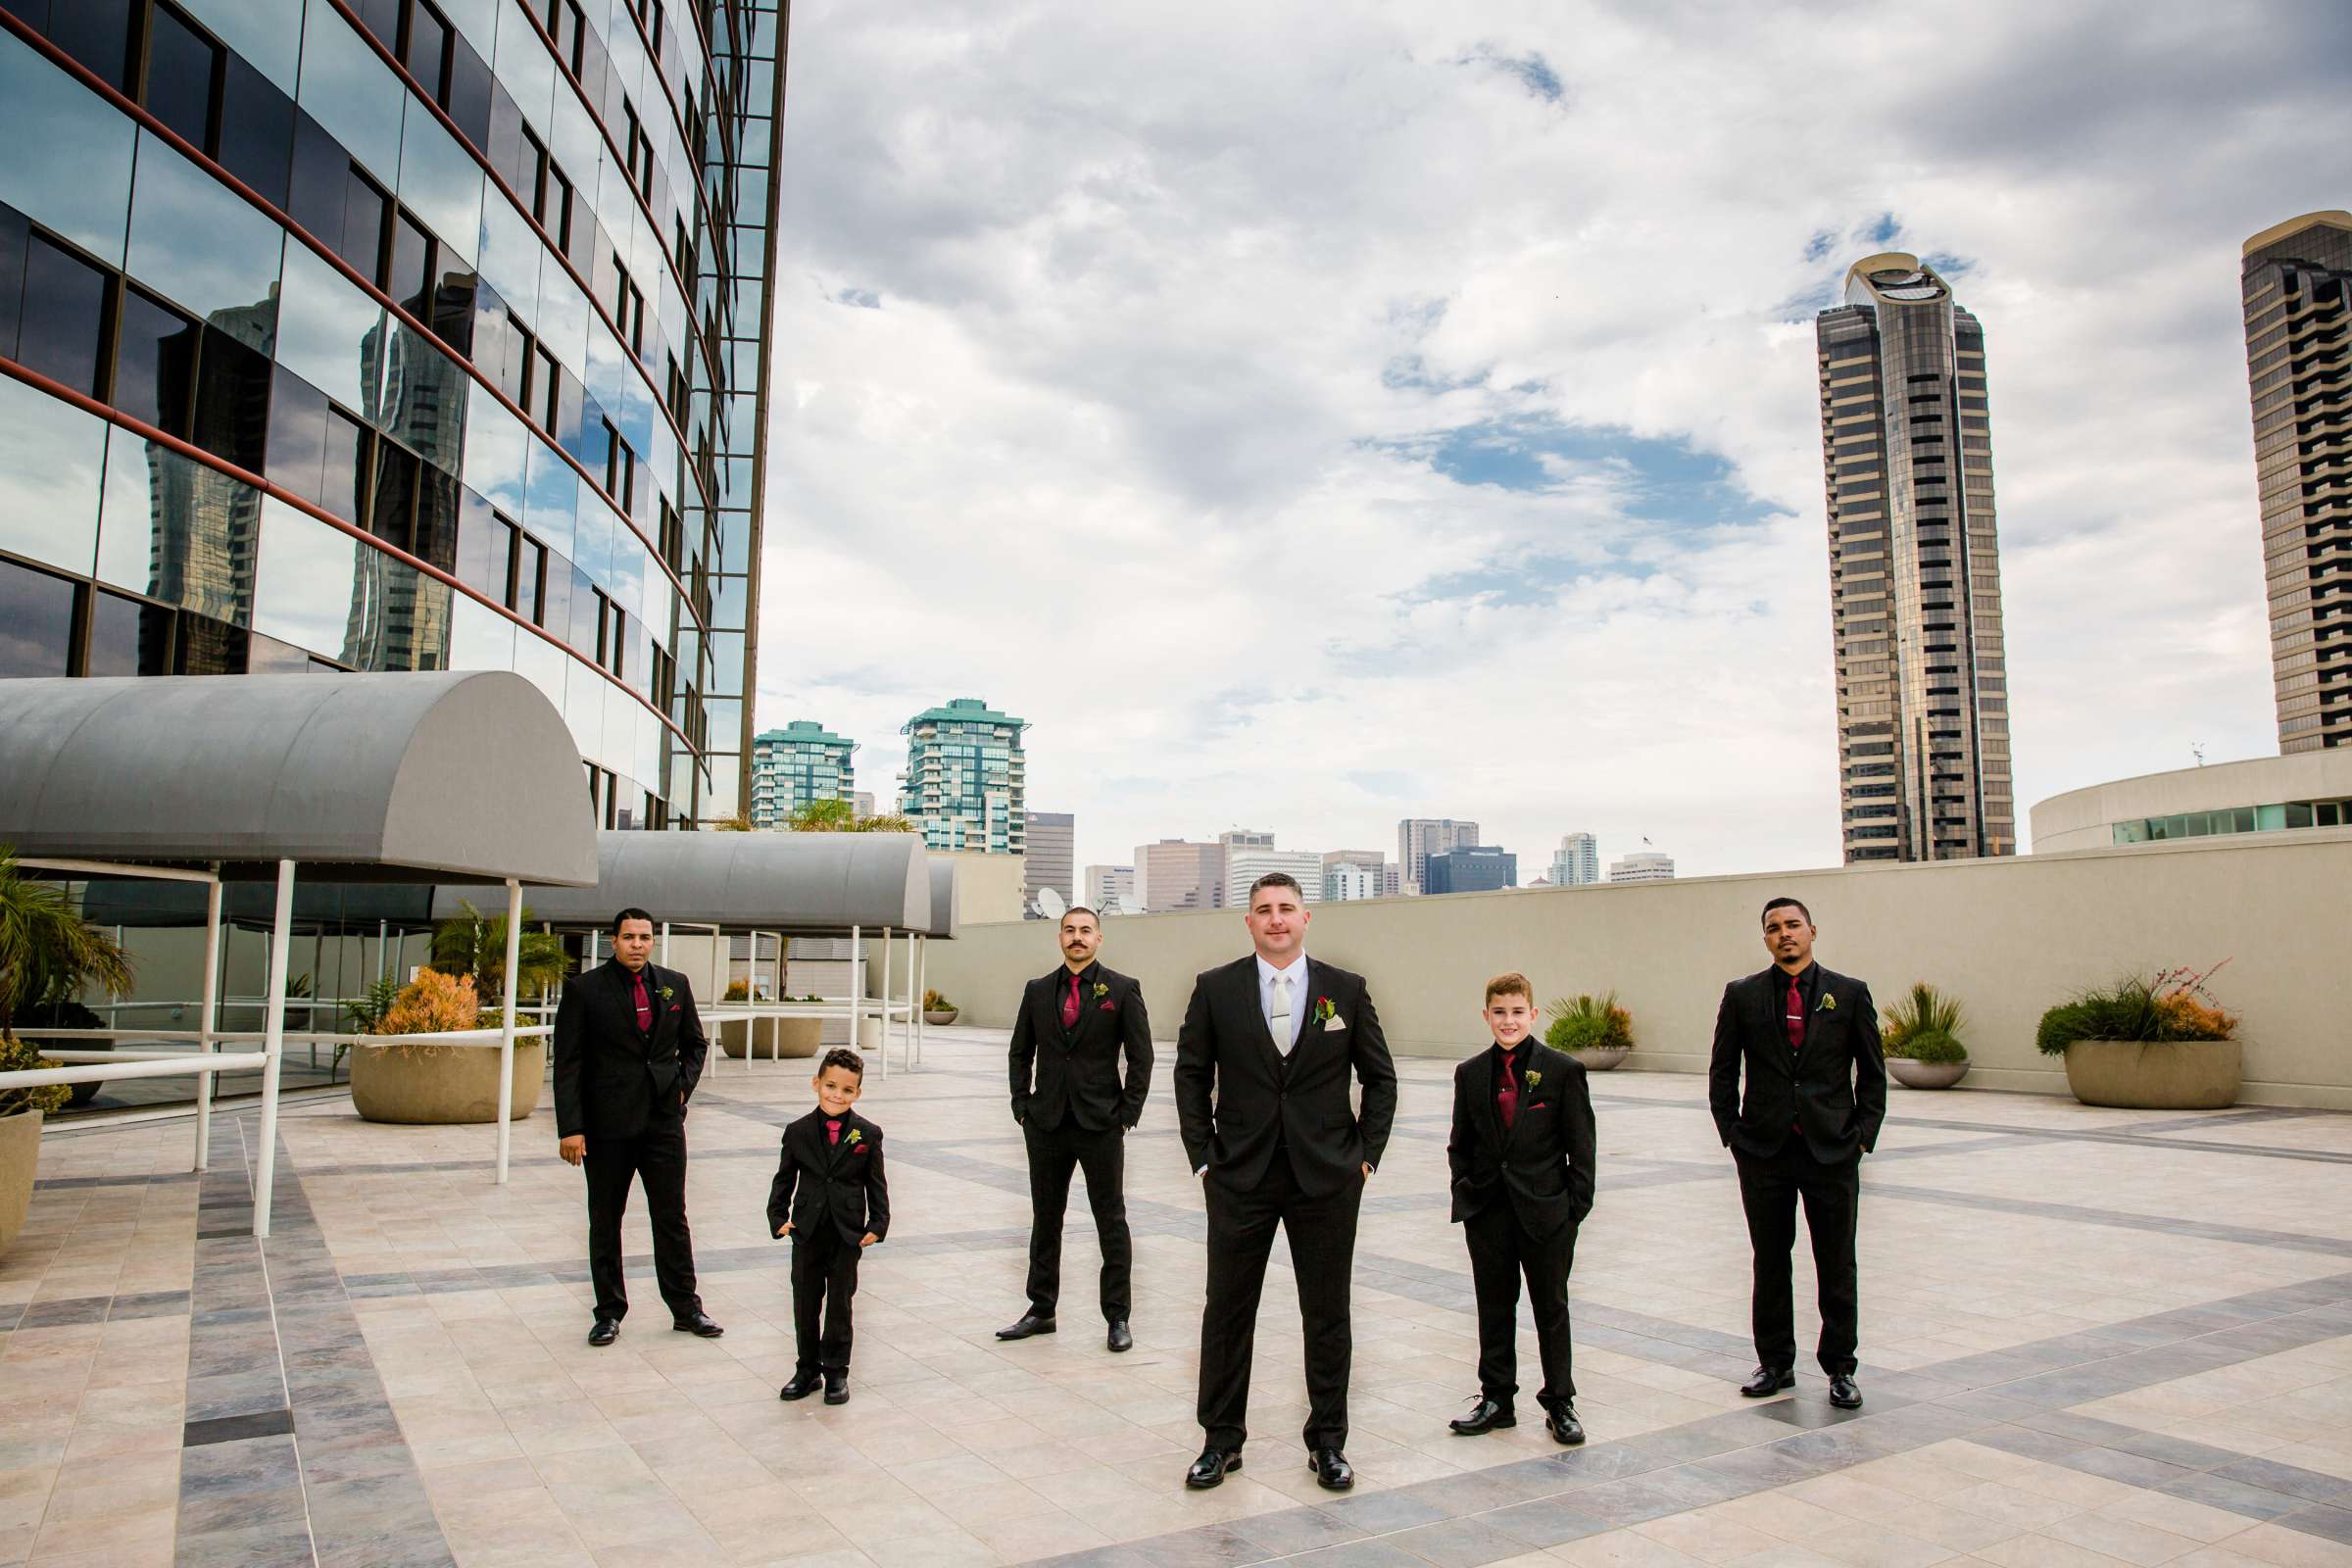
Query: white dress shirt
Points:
[1300, 1000]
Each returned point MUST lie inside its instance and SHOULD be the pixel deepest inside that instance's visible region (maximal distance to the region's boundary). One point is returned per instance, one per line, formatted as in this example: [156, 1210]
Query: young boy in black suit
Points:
[829, 1196]
[1521, 1154]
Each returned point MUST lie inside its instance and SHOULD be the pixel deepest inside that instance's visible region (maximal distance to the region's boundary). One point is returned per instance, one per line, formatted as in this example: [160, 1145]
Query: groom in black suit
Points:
[1815, 1098]
[629, 1049]
[1073, 1028]
[1263, 1064]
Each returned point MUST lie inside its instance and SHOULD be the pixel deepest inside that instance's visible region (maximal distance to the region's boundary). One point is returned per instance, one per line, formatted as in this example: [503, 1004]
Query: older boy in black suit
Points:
[1521, 1156]
[830, 1197]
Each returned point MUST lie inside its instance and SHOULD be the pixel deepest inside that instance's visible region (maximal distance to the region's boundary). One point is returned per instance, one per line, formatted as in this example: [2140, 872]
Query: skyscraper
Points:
[966, 782]
[1915, 588]
[1110, 890]
[2297, 279]
[1470, 868]
[394, 336]
[1643, 865]
[1245, 865]
[1177, 874]
[793, 766]
[1420, 837]
[1051, 850]
[1576, 863]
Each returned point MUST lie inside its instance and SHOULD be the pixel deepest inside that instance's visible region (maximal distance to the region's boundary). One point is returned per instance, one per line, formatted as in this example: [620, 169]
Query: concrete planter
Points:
[940, 1015]
[1925, 1075]
[1601, 1058]
[19, 1157]
[775, 1037]
[418, 1085]
[2156, 1074]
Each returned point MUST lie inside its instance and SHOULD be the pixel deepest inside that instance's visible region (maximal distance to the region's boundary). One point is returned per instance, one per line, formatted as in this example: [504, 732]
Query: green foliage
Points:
[2171, 1006]
[48, 952]
[1590, 1023]
[933, 1001]
[473, 946]
[373, 1003]
[18, 1055]
[1923, 1025]
[840, 816]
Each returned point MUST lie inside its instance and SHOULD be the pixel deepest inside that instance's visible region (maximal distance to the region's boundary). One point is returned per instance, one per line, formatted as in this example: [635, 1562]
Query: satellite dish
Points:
[1052, 905]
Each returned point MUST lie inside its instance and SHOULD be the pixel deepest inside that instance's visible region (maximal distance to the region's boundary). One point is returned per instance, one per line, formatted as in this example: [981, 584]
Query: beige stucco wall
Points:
[2084, 819]
[2009, 937]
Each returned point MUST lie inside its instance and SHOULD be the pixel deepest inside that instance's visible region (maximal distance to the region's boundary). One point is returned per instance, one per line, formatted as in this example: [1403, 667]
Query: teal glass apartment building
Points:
[397, 334]
[802, 763]
[966, 783]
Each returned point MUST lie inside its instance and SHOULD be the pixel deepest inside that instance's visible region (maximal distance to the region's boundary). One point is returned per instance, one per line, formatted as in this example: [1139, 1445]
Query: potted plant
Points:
[1595, 1028]
[937, 1009]
[432, 1083]
[2148, 1044]
[48, 955]
[1919, 1038]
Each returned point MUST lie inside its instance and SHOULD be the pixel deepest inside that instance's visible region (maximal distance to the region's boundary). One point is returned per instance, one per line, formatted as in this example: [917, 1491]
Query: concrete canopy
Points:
[943, 901]
[800, 884]
[463, 776]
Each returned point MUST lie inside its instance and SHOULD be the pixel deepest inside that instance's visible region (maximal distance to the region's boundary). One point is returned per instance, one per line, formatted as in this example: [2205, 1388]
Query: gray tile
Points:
[1546, 1522]
[2132, 1469]
[1359, 1554]
[1459, 1544]
[1203, 1546]
[2292, 1480]
[234, 1428]
[1292, 1530]
[1379, 1512]
[236, 1393]
[2237, 1496]
[1631, 1499]
[2026, 1442]
[278, 1543]
[2176, 1450]
[2327, 1523]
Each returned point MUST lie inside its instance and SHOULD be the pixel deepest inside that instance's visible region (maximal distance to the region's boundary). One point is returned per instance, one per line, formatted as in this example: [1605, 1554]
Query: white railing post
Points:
[208, 1018]
[856, 978]
[274, 1047]
[506, 1044]
[882, 1018]
[923, 990]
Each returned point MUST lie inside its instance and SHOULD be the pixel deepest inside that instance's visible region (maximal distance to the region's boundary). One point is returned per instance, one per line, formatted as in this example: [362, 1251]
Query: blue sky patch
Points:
[865, 298]
[1665, 480]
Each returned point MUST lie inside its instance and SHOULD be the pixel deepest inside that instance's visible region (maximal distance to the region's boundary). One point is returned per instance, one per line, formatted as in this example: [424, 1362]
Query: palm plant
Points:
[473, 946]
[840, 816]
[1923, 1025]
[48, 954]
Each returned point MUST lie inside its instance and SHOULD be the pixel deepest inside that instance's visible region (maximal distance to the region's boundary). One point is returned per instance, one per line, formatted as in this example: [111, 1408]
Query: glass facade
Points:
[397, 334]
[2234, 819]
[1915, 588]
[800, 763]
[966, 782]
[2297, 283]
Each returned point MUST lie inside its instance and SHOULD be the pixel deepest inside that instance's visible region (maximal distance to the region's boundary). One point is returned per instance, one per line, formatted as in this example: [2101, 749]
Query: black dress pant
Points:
[1053, 1153]
[1770, 1186]
[1241, 1236]
[655, 1157]
[824, 1276]
[1501, 1250]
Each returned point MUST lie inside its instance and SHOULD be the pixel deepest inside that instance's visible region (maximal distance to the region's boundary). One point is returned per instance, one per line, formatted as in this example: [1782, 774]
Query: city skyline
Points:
[1518, 368]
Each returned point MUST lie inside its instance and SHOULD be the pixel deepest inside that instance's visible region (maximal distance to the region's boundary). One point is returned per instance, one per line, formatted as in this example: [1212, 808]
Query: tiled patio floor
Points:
[2088, 1338]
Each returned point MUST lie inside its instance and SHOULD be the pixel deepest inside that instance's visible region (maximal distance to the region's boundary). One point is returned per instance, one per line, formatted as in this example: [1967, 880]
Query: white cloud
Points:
[1115, 345]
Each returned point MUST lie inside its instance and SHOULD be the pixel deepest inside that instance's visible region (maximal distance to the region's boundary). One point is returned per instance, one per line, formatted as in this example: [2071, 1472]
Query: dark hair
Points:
[632, 912]
[1078, 909]
[843, 1056]
[1276, 879]
[1786, 903]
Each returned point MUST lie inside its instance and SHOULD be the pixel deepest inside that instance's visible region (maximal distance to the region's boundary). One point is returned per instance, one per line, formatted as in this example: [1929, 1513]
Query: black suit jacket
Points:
[1543, 1165]
[1075, 1072]
[819, 1183]
[614, 1080]
[1236, 1095]
[1833, 1090]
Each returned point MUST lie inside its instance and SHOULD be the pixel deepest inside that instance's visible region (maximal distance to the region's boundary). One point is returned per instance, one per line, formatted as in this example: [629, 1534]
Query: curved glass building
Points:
[1915, 584]
[397, 334]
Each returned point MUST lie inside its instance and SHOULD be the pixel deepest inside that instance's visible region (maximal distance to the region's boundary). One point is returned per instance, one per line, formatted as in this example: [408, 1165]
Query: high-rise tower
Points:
[2299, 366]
[1915, 587]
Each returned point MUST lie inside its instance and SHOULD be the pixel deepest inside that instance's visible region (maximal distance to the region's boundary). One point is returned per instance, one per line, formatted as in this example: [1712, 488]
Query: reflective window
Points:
[267, 33]
[526, 68]
[204, 247]
[427, 394]
[484, 549]
[426, 52]
[309, 590]
[393, 495]
[154, 364]
[352, 92]
[257, 130]
[36, 622]
[479, 637]
[342, 487]
[15, 235]
[329, 331]
[98, 33]
[509, 258]
[233, 400]
[442, 182]
[129, 637]
[554, 500]
[65, 317]
[468, 97]
[182, 67]
[176, 530]
[542, 663]
[497, 452]
[51, 457]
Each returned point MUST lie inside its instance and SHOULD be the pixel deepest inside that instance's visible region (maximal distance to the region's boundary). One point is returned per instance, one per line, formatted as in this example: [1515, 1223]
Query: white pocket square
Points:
[1335, 1023]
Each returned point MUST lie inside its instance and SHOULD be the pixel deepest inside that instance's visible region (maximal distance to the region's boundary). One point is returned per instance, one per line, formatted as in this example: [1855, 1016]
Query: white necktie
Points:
[1280, 1024]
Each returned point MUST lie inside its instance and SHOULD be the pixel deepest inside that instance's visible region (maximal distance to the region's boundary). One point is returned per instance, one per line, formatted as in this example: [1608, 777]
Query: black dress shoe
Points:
[803, 1385]
[837, 1388]
[1120, 1338]
[1843, 1393]
[1030, 1323]
[1209, 1469]
[1484, 1417]
[607, 1330]
[1766, 1381]
[1331, 1472]
[1562, 1422]
[697, 1323]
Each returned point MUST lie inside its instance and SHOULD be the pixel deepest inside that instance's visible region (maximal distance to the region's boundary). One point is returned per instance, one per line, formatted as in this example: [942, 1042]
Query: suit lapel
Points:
[1772, 1010]
[1489, 1115]
[624, 998]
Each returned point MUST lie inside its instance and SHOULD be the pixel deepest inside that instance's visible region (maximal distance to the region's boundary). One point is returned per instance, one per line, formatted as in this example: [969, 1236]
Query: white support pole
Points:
[208, 1019]
[912, 1011]
[665, 944]
[274, 1047]
[923, 990]
[883, 1020]
[505, 1043]
[856, 978]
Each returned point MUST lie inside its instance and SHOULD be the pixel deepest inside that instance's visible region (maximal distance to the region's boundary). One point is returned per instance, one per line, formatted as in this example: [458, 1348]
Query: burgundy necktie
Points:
[1070, 1006]
[1506, 1099]
[832, 1131]
[1797, 1016]
[645, 1005]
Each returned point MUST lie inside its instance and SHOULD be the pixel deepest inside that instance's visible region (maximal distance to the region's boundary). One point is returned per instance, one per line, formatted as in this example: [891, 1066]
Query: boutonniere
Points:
[1324, 1011]
[667, 993]
[855, 1138]
[1535, 1078]
[1101, 989]
[1829, 1003]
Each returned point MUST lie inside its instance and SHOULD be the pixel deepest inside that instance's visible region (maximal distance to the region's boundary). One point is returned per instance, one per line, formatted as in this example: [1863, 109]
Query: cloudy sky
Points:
[1309, 416]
